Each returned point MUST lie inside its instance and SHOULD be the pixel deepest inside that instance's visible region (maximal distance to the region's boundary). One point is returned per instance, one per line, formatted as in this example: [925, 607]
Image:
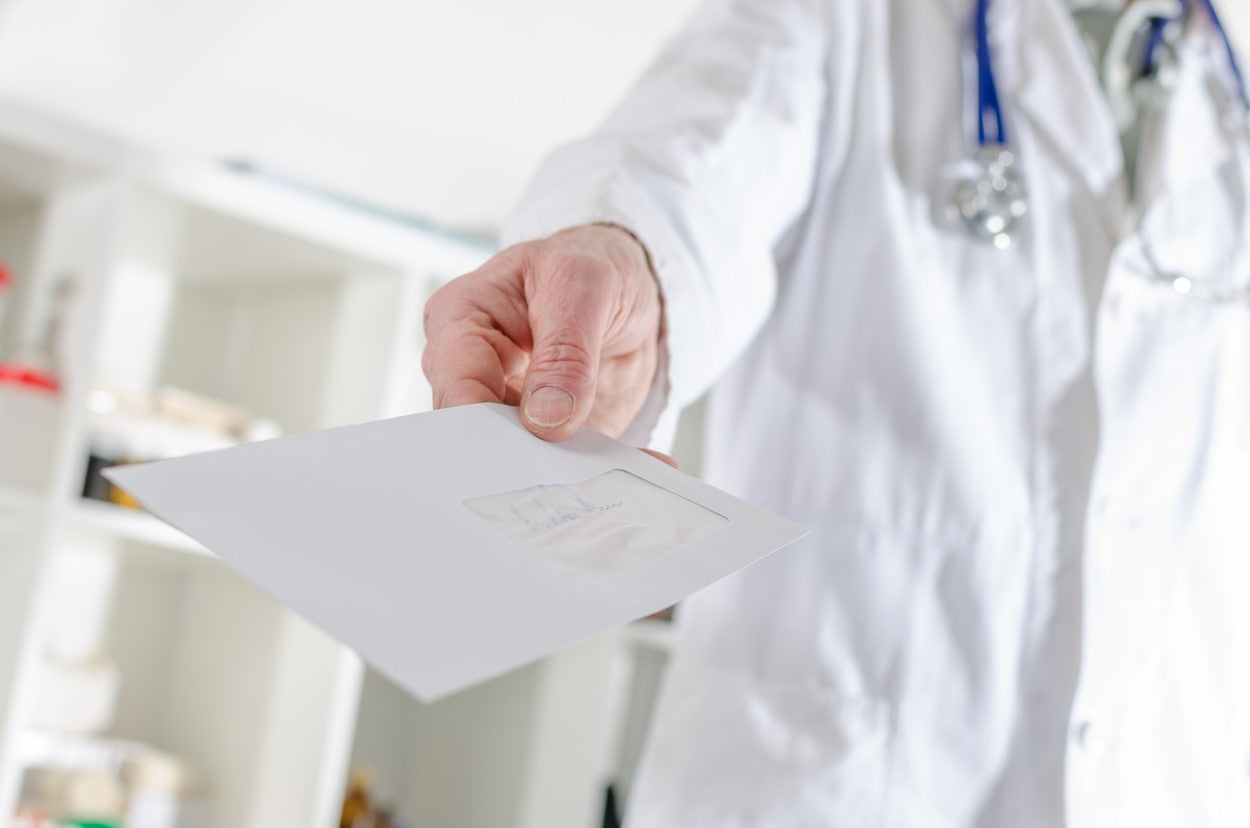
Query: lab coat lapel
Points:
[1168, 530]
[1051, 86]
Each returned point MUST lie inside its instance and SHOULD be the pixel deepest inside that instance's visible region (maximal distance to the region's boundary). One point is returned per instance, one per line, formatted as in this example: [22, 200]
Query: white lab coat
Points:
[1026, 598]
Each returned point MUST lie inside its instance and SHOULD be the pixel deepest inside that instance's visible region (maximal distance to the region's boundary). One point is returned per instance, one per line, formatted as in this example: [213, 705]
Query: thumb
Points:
[559, 390]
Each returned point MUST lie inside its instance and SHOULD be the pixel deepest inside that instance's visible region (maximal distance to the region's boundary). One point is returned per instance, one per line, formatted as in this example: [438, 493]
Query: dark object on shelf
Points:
[95, 487]
[356, 803]
[611, 812]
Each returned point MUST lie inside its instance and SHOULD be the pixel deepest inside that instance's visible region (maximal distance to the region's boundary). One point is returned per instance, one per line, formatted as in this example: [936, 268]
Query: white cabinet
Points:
[305, 313]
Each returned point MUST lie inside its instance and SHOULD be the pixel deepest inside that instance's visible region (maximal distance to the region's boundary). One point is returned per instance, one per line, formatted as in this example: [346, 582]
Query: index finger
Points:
[463, 369]
[476, 350]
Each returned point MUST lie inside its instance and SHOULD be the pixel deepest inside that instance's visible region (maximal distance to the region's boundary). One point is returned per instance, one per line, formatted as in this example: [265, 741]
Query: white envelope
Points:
[452, 546]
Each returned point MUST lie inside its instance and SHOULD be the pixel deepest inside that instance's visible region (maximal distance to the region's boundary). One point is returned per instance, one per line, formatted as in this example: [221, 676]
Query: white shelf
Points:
[13, 499]
[100, 518]
[351, 233]
[651, 633]
[131, 525]
[306, 311]
[37, 747]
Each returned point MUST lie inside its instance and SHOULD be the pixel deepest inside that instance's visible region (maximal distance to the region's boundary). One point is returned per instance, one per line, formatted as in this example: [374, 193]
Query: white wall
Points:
[442, 108]
[438, 107]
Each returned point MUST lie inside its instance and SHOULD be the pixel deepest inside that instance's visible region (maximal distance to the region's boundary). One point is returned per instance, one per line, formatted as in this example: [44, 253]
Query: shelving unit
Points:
[306, 313]
[111, 521]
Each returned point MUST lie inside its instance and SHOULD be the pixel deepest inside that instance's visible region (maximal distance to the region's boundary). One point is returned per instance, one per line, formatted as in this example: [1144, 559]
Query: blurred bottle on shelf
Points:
[71, 781]
[72, 796]
[30, 385]
[6, 285]
[359, 811]
[356, 802]
[381, 818]
[38, 361]
[76, 682]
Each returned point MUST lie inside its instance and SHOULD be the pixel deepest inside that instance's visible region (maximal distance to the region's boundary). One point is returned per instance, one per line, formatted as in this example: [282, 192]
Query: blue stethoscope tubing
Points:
[1156, 38]
[991, 202]
[989, 110]
[991, 128]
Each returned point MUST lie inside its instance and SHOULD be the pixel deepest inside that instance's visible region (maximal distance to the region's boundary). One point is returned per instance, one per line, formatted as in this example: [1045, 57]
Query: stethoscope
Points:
[991, 201]
[1162, 32]
[1159, 24]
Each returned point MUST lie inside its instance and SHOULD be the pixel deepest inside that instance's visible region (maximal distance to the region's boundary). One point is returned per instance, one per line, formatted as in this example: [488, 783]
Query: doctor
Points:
[1004, 377]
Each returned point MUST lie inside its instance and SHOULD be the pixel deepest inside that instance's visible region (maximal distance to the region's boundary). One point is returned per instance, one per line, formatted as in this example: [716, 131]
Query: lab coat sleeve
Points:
[707, 161]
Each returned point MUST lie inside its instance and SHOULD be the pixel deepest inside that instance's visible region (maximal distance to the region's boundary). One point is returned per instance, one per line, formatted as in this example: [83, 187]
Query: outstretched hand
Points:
[566, 327]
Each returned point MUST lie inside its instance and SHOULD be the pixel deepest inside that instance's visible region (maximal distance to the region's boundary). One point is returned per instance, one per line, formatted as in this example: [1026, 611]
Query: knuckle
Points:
[560, 258]
[436, 307]
[569, 266]
[444, 301]
[564, 358]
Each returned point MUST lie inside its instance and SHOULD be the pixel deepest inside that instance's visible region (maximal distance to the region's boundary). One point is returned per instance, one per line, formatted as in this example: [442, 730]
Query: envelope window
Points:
[606, 525]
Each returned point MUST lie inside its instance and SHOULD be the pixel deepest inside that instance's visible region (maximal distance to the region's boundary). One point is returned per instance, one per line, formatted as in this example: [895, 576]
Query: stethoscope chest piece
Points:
[989, 200]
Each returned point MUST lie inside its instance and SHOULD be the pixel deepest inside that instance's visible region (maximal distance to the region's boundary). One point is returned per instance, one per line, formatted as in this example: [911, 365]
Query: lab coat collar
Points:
[1054, 97]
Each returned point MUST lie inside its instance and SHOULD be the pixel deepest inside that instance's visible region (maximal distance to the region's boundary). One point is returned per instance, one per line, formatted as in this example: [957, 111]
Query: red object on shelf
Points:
[28, 378]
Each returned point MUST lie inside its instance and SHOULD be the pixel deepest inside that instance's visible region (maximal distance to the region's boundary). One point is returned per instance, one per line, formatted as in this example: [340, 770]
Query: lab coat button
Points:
[1089, 738]
[1102, 507]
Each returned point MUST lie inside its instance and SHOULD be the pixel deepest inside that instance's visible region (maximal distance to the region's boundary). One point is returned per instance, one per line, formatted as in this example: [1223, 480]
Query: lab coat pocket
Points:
[1166, 561]
[1173, 373]
[1174, 326]
[731, 749]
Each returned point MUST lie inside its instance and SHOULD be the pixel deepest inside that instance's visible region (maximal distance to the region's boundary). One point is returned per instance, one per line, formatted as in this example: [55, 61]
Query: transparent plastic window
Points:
[606, 525]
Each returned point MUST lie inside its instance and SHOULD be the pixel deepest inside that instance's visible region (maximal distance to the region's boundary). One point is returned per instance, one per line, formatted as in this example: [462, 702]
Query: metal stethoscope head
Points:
[989, 200]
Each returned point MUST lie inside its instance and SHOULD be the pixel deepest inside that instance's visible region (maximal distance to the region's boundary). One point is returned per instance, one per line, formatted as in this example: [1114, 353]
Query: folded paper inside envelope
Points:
[610, 523]
[451, 546]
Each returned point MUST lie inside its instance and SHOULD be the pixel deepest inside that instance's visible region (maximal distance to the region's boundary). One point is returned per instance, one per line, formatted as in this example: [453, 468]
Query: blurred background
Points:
[442, 109]
[219, 222]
